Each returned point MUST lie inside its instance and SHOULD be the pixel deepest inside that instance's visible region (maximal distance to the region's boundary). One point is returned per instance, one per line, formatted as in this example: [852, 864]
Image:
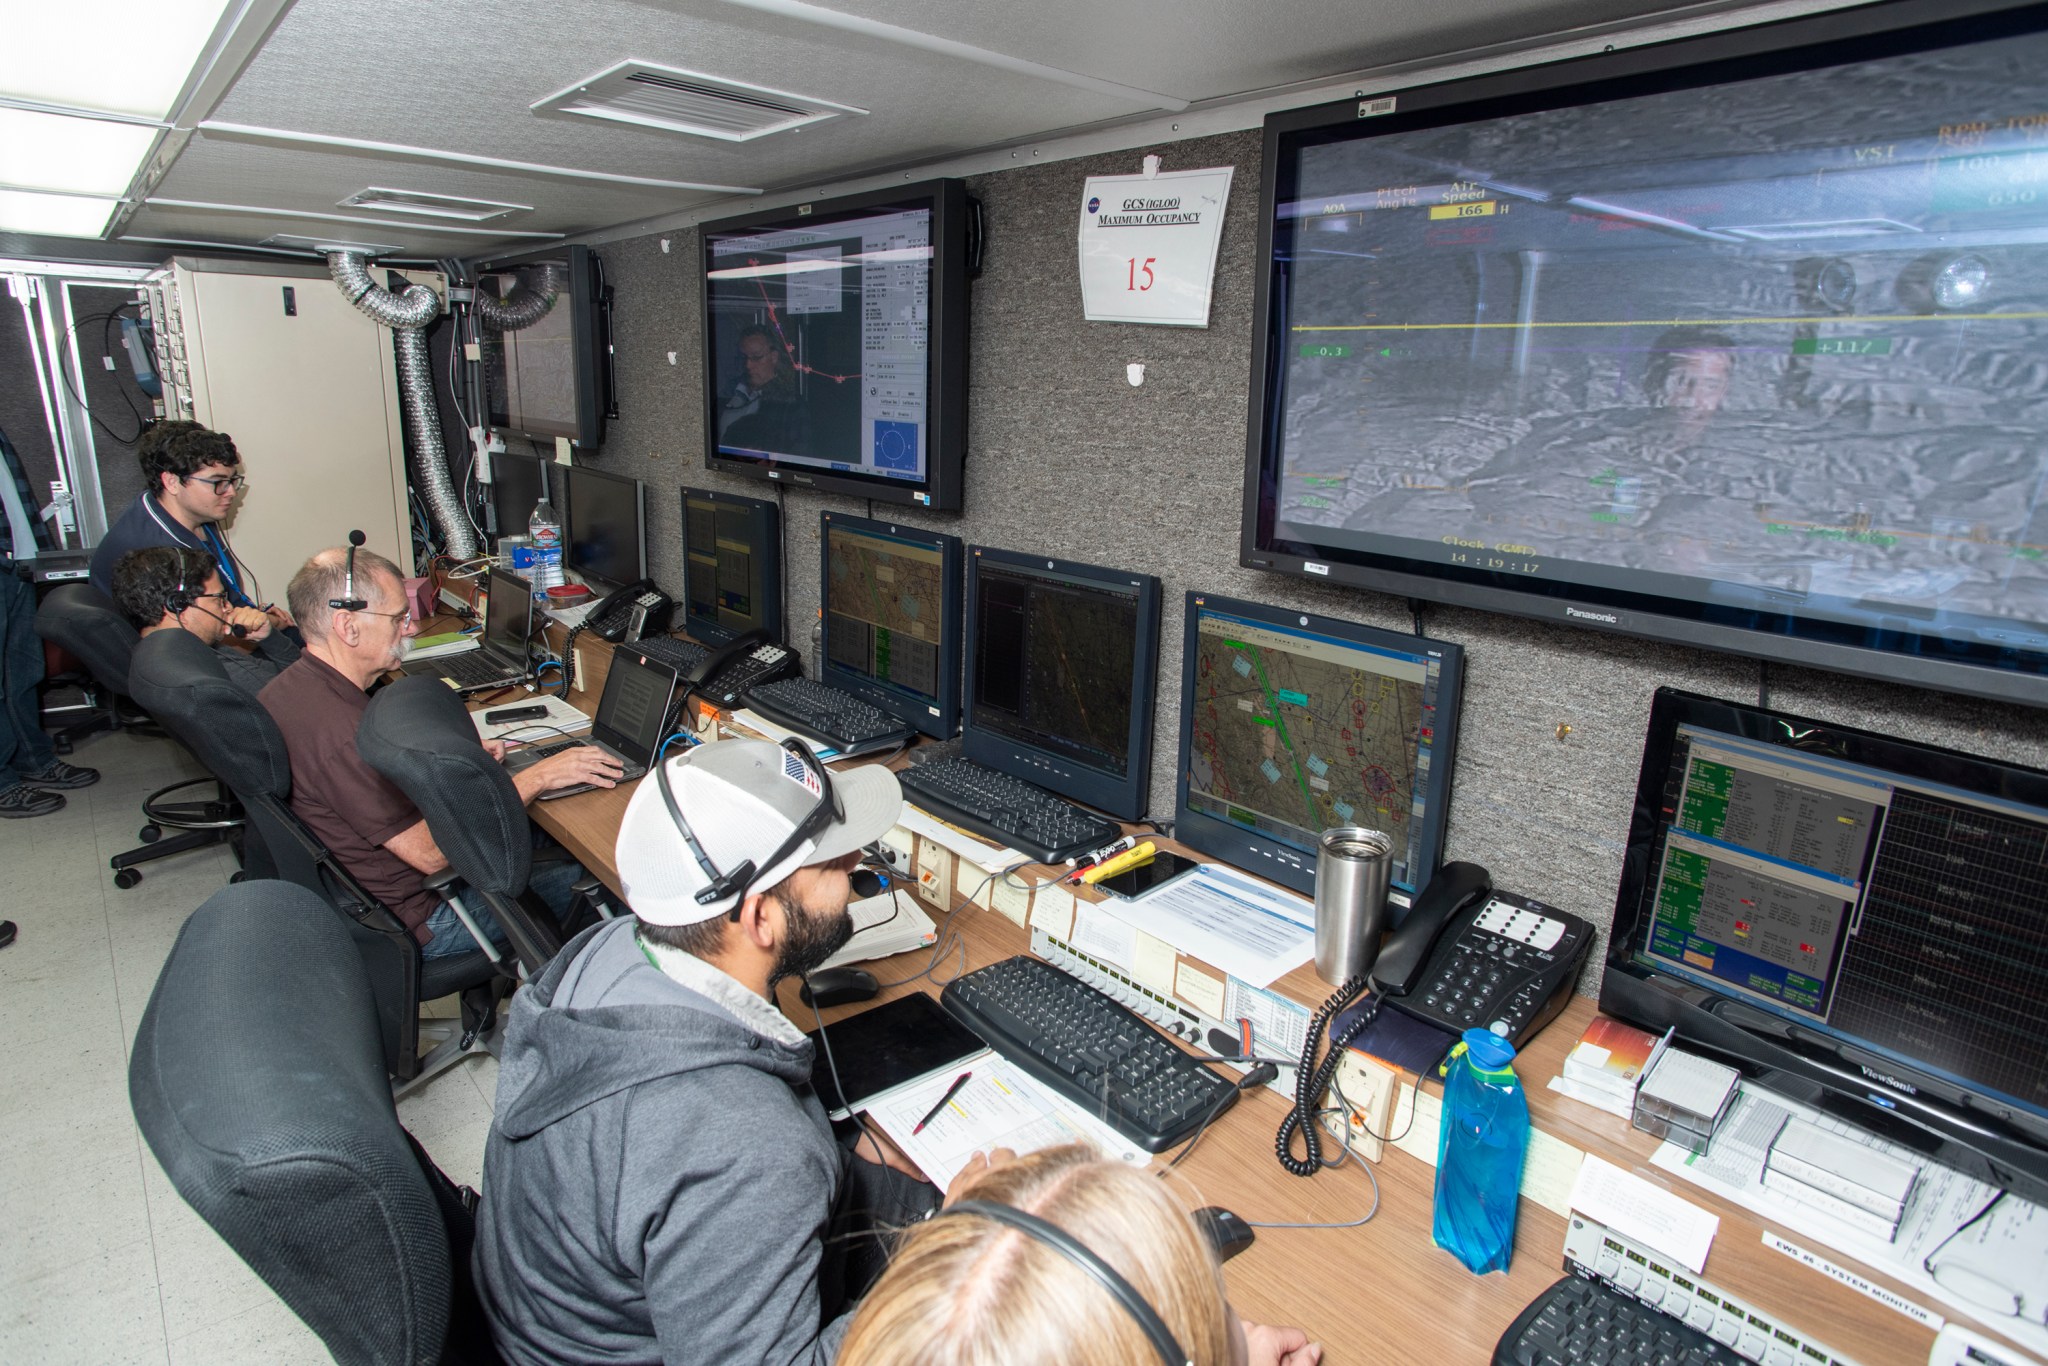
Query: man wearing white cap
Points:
[662, 1179]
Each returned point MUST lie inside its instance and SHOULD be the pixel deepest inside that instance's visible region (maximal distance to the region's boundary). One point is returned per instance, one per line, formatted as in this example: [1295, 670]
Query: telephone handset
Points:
[1469, 955]
[743, 662]
[635, 611]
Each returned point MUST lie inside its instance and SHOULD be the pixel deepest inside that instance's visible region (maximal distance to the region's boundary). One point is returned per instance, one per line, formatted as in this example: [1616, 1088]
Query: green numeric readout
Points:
[1842, 346]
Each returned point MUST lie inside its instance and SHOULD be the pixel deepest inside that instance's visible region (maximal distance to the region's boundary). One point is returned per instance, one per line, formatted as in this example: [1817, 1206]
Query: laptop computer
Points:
[629, 721]
[500, 659]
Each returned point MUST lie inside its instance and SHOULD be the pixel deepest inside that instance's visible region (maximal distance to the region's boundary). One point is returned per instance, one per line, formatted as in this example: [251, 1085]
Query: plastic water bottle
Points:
[546, 534]
[1479, 1156]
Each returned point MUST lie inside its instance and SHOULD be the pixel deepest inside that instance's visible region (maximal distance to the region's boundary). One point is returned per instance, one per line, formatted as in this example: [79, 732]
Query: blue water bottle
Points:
[1479, 1156]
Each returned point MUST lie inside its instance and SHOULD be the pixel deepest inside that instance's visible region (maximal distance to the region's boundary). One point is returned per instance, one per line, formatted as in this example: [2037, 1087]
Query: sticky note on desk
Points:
[1013, 901]
[1645, 1212]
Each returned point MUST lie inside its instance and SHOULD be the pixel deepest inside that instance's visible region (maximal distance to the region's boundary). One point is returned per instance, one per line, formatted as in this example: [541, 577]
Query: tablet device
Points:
[885, 1047]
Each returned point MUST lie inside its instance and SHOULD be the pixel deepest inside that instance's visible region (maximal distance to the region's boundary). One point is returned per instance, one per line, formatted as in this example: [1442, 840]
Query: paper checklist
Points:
[1645, 1212]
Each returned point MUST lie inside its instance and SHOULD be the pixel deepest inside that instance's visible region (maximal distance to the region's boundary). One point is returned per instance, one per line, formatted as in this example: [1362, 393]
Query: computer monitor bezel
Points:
[1273, 858]
[768, 522]
[940, 719]
[1958, 1125]
[1123, 798]
[573, 475]
[501, 462]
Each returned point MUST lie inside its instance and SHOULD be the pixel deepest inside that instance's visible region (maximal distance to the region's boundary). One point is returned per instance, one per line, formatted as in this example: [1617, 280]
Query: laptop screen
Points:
[508, 616]
[635, 703]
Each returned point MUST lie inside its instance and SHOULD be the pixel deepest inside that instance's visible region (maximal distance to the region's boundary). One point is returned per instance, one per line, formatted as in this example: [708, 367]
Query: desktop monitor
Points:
[1061, 666]
[545, 345]
[1291, 724]
[891, 598]
[607, 526]
[1860, 921]
[516, 484]
[732, 566]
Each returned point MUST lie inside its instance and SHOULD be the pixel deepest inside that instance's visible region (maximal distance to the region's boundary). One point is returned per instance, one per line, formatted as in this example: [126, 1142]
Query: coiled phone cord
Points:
[1311, 1080]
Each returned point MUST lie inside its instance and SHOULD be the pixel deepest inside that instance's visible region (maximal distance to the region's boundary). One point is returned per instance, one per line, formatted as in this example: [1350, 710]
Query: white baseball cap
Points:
[743, 800]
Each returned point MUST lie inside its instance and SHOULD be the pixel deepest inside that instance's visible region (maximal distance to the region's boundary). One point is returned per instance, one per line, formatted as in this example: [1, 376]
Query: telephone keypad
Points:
[1511, 962]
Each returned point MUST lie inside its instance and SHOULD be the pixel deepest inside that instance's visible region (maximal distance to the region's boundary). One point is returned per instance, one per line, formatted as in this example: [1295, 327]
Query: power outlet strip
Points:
[935, 873]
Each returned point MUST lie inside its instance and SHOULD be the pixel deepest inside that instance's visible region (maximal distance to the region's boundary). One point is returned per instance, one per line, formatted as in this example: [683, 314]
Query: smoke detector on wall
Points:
[670, 99]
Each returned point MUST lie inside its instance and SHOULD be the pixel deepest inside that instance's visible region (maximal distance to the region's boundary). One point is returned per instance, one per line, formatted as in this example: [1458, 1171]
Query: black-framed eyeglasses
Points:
[722, 885]
[235, 482]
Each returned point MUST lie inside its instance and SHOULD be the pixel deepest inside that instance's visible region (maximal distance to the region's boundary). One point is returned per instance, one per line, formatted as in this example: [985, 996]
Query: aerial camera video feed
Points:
[1786, 337]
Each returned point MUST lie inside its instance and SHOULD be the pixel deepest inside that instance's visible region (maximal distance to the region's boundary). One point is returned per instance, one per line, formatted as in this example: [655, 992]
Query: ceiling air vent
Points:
[292, 241]
[431, 205]
[677, 101]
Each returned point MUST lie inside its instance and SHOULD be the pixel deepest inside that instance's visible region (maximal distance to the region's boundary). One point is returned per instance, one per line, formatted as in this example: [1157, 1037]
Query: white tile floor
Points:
[100, 1260]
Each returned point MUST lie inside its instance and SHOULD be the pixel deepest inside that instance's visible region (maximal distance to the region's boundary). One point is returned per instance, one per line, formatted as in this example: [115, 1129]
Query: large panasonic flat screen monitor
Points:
[1864, 918]
[732, 566]
[1740, 342]
[835, 339]
[542, 328]
[607, 525]
[1292, 724]
[516, 484]
[891, 598]
[1062, 664]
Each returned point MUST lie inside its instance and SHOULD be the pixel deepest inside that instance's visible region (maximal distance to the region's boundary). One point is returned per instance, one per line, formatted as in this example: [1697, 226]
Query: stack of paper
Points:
[1605, 1064]
[562, 719]
[883, 926]
[447, 643]
[999, 1107]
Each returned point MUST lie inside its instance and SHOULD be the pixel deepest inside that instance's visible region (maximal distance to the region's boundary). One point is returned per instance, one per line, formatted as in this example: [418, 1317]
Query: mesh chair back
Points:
[178, 679]
[257, 1078]
[418, 734]
[83, 620]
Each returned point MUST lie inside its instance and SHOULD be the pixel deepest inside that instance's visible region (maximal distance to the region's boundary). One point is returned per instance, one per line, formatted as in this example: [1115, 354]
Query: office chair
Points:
[180, 679]
[81, 620]
[418, 734]
[257, 1080]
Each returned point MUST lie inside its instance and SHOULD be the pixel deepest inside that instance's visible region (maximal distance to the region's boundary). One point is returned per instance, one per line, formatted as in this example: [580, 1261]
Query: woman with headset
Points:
[1061, 1257]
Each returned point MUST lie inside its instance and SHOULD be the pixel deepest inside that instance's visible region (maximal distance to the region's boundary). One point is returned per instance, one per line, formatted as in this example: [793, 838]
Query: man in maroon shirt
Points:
[363, 818]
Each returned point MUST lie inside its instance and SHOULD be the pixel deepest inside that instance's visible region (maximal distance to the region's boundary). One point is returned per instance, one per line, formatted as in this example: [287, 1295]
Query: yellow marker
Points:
[1126, 860]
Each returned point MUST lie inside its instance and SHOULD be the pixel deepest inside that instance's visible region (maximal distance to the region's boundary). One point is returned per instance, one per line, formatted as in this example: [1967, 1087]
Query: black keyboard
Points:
[1088, 1048]
[831, 716]
[1049, 828]
[1585, 1321]
[680, 655]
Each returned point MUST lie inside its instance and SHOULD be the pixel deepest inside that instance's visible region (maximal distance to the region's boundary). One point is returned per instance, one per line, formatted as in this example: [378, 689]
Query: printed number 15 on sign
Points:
[1147, 245]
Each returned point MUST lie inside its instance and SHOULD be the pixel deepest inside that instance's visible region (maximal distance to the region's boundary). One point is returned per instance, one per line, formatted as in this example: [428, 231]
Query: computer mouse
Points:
[1226, 1232]
[838, 987]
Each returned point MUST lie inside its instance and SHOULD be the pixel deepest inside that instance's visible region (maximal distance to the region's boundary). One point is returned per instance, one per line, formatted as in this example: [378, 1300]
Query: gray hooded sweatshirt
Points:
[659, 1175]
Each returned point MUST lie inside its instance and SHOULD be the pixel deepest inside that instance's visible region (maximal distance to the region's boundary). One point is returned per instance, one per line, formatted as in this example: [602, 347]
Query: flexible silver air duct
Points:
[406, 314]
[523, 307]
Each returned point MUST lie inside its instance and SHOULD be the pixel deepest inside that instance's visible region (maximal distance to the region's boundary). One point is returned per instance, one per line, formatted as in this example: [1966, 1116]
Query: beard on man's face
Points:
[813, 936]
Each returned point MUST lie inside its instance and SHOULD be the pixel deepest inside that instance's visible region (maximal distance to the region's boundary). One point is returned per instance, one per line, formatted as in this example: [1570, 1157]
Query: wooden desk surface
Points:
[1384, 1292]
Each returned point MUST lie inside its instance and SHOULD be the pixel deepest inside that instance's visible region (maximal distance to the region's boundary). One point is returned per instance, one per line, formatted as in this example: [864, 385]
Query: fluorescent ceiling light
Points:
[56, 215]
[75, 156]
[120, 56]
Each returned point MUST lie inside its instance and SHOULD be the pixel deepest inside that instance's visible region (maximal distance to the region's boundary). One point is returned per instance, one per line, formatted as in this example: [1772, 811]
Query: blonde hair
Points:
[969, 1291]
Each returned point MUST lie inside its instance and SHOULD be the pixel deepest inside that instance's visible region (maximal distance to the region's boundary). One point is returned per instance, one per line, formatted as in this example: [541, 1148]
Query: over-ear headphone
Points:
[181, 600]
[1105, 1275]
[348, 601]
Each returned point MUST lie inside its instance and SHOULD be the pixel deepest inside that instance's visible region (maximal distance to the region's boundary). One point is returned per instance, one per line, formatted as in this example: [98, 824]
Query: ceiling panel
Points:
[370, 69]
[1206, 49]
[248, 228]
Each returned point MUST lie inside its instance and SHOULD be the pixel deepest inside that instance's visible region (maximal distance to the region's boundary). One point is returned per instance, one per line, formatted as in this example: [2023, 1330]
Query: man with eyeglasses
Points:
[191, 476]
[361, 816]
[664, 1182]
[171, 588]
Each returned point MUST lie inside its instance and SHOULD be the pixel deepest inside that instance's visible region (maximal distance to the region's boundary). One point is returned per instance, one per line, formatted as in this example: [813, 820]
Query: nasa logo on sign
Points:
[1094, 204]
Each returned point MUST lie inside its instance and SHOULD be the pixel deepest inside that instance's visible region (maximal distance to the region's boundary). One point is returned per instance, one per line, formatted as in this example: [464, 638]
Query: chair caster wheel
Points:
[150, 834]
[127, 878]
[239, 875]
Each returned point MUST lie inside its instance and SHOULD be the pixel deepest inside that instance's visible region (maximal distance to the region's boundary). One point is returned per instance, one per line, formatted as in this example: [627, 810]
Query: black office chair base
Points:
[454, 1042]
[202, 825]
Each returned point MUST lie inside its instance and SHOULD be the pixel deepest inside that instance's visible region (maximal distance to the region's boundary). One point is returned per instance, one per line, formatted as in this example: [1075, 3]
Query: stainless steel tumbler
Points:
[1352, 864]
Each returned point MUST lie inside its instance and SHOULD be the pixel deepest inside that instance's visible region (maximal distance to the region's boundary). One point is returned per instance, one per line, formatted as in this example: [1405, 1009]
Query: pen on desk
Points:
[951, 1091]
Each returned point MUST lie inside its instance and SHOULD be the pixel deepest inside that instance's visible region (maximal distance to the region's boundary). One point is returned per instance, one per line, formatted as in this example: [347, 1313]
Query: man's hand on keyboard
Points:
[576, 766]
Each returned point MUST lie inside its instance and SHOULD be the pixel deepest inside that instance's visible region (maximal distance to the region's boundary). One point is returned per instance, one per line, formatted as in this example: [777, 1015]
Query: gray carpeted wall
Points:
[1067, 458]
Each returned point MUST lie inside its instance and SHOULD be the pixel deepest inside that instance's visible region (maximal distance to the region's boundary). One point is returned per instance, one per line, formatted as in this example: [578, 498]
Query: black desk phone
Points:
[747, 660]
[638, 609]
[1469, 955]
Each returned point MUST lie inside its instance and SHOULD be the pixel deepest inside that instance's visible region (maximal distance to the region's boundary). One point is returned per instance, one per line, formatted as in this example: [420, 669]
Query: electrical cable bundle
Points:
[1311, 1079]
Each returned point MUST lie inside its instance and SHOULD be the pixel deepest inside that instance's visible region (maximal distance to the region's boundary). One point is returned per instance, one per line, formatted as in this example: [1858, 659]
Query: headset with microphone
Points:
[182, 599]
[348, 601]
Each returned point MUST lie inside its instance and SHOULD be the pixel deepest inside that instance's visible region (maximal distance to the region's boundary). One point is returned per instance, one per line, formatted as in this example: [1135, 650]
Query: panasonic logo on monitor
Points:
[1610, 618]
